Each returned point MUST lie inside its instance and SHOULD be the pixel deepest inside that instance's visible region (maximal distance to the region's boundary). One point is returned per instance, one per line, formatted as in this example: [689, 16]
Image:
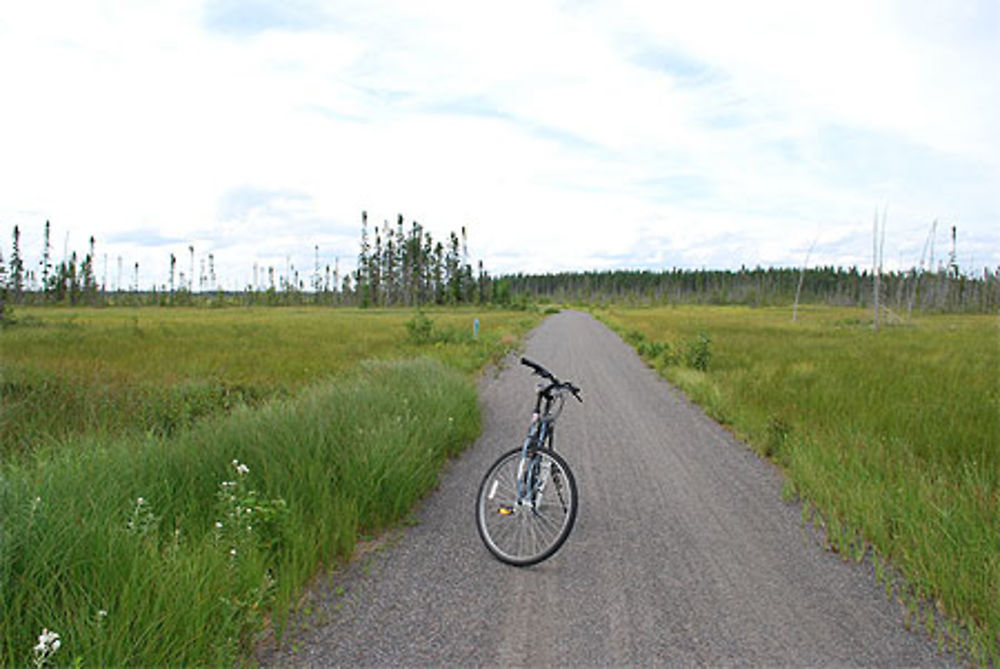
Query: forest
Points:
[900, 292]
[406, 267]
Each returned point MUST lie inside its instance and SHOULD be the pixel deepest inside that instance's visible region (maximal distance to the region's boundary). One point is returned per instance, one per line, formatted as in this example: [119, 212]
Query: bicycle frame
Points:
[540, 435]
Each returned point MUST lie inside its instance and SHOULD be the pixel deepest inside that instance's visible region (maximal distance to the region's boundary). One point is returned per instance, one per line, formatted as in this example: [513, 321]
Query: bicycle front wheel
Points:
[526, 507]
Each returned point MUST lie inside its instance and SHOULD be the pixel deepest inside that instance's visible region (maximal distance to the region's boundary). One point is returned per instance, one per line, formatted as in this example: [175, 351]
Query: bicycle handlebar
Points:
[556, 383]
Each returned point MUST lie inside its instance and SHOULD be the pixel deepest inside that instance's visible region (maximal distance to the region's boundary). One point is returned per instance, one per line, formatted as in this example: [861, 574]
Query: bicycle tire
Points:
[523, 535]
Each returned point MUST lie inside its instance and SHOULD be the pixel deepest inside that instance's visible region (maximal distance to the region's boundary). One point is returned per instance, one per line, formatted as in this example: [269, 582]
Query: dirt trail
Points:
[683, 552]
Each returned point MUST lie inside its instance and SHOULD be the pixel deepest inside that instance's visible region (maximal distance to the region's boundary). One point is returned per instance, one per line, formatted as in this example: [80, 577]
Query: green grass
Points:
[893, 438]
[105, 372]
[335, 447]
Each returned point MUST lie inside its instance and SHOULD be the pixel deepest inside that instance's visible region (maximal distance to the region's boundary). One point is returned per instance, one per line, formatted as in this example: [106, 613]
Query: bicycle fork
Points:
[533, 474]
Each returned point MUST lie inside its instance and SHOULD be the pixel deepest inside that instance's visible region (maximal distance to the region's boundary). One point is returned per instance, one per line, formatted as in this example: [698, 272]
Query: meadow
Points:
[102, 372]
[186, 473]
[892, 439]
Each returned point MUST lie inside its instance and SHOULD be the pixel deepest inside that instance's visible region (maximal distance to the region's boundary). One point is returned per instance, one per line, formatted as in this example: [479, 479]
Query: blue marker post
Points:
[475, 329]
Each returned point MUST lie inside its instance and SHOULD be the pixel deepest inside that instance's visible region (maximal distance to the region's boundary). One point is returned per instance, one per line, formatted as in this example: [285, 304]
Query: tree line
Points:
[943, 289]
[395, 267]
[406, 267]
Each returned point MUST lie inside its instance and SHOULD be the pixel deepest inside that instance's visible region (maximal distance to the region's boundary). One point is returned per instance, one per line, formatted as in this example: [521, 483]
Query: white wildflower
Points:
[218, 525]
[142, 519]
[48, 644]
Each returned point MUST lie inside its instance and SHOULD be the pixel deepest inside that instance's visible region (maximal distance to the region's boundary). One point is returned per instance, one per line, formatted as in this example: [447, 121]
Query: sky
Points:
[564, 136]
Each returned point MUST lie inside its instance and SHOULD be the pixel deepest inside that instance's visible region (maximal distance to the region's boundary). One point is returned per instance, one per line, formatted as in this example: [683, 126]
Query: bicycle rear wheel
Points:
[525, 532]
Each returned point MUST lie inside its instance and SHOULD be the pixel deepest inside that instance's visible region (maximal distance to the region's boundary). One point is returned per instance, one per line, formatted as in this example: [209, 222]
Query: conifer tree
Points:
[374, 275]
[453, 272]
[389, 266]
[47, 261]
[401, 263]
[4, 313]
[89, 286]
[16, 279]
[361, 279]
[173, 269]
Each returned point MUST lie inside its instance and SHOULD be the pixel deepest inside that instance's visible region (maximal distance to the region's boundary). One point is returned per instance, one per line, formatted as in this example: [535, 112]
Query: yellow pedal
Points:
[505, 510]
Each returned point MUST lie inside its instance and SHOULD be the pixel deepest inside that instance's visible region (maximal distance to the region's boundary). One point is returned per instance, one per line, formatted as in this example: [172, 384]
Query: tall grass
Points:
[894, 438]
[170, 550]
[106, 372]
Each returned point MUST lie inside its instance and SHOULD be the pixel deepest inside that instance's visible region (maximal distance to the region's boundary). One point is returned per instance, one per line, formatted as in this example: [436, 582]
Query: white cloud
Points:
[605, 134]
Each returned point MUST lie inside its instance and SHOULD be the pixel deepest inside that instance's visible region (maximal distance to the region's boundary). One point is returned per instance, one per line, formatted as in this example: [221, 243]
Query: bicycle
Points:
[527, 501]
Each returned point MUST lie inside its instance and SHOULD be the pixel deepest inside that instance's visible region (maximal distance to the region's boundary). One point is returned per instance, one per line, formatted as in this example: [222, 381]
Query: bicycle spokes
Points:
[520, 518]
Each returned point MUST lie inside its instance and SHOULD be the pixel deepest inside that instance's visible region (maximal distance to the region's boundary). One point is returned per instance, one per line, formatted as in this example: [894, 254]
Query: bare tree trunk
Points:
[916, 276]
[802, 276]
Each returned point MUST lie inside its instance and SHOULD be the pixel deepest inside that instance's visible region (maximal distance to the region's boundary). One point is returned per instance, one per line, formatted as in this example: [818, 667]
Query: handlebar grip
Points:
[576, 392]
[535, 366]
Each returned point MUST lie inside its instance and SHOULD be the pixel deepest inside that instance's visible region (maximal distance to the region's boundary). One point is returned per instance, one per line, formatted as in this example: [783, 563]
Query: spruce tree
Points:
[375, 271]
[453, 272]
[47, 261]
[361, 278]
[4, 313]
[173, 269]
[87, 275]
[16, 279]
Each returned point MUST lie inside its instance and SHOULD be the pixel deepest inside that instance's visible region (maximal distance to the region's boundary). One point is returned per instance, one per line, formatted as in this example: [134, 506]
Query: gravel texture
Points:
[683, 552]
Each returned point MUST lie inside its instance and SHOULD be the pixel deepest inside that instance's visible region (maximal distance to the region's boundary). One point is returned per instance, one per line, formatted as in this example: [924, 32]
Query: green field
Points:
[893, 439]
[102, 372]
[173, 478]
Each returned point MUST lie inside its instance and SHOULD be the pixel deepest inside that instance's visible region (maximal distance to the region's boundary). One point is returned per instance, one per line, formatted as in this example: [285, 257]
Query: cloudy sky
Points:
[564, 136]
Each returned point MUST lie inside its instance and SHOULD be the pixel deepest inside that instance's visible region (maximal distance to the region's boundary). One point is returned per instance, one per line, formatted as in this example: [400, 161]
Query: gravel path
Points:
[683, 552]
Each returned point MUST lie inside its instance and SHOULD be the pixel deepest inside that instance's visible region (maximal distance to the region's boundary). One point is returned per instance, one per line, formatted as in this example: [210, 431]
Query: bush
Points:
[652, 349]
[420, 328]
[634, 337]
[699, 352]
[667, 357]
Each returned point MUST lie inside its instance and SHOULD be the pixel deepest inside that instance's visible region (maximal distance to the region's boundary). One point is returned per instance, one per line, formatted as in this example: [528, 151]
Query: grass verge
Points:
[168, 550]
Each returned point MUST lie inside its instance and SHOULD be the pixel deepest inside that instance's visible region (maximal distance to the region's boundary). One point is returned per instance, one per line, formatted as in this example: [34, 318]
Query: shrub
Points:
[699, 352]
[652, 349]
[634, 337]
[420, 328]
